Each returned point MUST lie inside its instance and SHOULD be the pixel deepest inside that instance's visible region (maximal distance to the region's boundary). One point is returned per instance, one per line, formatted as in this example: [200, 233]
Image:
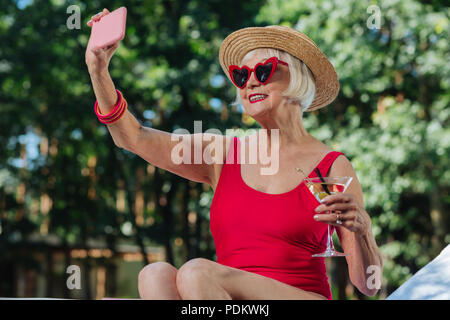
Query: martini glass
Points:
[320, 188]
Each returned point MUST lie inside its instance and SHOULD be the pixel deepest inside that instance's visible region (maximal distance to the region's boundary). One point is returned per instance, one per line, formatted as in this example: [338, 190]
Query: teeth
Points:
[257, 97]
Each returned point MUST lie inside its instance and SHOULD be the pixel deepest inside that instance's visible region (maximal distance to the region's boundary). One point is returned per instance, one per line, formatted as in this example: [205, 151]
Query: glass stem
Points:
[330, 243]
[330, 239]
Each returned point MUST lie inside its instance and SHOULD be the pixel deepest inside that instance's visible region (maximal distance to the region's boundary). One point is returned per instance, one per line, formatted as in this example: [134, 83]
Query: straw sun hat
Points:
[240, 42]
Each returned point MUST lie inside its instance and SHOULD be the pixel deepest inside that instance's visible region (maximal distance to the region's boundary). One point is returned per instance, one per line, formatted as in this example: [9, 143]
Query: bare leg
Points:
[196, 280]
[205, 279]
[157, 281]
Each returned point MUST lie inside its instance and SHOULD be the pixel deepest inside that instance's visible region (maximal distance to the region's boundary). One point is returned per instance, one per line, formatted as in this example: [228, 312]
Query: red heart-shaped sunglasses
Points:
[263, 72]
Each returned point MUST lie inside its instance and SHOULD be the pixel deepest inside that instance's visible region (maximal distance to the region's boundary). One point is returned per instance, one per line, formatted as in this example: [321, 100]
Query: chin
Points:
[257, 107]
[252, 112]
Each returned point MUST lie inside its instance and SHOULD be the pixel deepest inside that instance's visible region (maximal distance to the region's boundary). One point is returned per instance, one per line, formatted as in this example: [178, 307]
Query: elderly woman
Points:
[266, 227]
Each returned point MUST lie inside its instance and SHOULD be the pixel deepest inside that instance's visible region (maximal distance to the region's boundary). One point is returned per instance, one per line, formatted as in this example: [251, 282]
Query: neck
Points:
[288, 121]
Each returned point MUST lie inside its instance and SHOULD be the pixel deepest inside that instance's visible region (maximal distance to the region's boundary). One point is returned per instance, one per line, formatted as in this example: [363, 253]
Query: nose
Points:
[252, 82]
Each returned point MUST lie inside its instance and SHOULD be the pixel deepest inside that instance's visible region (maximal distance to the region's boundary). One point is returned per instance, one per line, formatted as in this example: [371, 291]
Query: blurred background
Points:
[69, 196]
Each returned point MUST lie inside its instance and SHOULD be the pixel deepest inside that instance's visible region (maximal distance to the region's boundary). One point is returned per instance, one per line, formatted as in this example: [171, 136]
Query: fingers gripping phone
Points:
[109, 29]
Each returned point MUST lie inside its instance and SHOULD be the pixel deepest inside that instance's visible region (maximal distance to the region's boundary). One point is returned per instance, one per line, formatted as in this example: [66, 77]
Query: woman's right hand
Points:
[97, 61]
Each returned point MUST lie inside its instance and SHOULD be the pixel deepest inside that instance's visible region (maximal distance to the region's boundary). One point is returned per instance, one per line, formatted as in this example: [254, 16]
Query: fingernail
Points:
[319, 208]
[316, 217]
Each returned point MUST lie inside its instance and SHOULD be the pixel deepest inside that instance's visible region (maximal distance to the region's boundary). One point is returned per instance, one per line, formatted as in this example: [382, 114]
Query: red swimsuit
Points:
[273, 235]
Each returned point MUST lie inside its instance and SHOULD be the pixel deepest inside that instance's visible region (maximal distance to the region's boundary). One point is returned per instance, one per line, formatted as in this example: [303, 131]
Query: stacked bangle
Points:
[119, 109]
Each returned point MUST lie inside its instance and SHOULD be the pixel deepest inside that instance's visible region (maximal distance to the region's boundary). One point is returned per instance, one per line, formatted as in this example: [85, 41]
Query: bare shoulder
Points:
[313, 153]
[343, 167]
[316, 147]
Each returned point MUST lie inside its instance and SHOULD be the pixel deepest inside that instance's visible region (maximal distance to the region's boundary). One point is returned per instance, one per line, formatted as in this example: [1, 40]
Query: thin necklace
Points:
[300, 170]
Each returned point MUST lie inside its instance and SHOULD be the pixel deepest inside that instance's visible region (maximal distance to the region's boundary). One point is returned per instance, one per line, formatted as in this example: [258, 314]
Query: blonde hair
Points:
[301, 87]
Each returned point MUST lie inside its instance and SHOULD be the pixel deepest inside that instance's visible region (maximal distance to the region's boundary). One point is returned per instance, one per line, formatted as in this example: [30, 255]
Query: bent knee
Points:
[193, 269]
[193, 274]
[157, 270]
[157, 281]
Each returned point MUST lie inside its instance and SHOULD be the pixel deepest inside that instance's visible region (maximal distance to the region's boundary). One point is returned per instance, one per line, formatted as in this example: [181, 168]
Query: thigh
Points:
[244, 285]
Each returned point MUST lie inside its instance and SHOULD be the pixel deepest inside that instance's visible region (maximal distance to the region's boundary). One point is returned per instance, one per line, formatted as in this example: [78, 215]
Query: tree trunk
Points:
[341, 278]
[87, 270]
[198, 235]
[438, 221]
[49, 273]
[186, 225]
[67, 259]
[198, 227]
[130, 192]
[168, 220]
[161, 208]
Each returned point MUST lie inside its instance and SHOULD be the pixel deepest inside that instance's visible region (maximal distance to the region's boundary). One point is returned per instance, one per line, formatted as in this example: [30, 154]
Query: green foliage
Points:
[390, 118]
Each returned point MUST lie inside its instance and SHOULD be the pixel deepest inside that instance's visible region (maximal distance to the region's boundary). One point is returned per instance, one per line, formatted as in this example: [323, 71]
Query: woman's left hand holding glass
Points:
[345, 212]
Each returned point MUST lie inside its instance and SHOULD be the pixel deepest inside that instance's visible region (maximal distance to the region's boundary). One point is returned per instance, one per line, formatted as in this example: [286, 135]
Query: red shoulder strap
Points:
[236, 151]
[232, 152]
[326, 163]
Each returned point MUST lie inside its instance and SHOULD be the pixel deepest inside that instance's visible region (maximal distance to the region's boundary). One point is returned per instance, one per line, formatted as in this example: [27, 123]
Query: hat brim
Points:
[240, 42]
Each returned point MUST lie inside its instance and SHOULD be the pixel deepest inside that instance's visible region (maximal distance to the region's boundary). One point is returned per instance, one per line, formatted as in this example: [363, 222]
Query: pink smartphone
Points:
[109, 29]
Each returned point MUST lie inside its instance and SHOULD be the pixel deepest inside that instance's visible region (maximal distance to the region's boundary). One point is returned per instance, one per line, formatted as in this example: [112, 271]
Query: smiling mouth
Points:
[256, 97]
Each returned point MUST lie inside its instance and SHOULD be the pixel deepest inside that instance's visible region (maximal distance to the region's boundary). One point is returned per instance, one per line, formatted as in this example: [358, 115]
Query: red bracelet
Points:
[116, 107]
[118, 116]
[115, 114]
[111, 115]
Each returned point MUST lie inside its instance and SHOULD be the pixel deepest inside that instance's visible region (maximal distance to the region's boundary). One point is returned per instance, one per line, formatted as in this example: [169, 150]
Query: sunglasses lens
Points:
[263, 72]
[240, 77]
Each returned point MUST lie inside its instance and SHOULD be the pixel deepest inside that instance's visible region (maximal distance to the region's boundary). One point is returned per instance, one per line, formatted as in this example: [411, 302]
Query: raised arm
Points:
[157, 147]
[127, 128]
